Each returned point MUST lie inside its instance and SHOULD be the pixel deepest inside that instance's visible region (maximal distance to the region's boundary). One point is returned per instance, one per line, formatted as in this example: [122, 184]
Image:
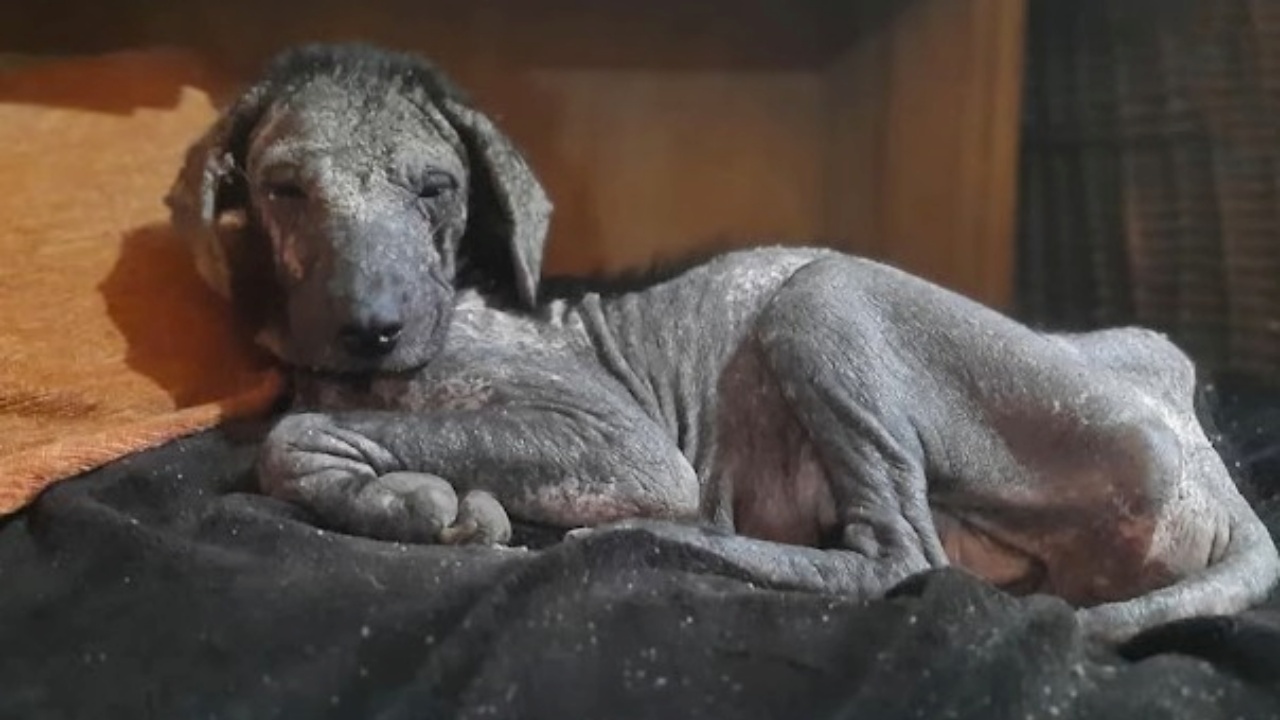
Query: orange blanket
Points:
[108, 341]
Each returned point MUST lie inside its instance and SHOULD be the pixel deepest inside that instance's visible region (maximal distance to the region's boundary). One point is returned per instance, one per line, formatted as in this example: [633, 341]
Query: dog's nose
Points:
[371, 339]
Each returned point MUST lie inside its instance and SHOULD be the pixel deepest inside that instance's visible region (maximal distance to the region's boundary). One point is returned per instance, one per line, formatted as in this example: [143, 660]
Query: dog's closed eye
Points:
[282, 181]
[435, 183]
[284, 190]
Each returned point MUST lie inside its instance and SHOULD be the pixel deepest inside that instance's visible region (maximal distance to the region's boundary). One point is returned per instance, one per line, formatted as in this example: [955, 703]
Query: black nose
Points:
[370, 340]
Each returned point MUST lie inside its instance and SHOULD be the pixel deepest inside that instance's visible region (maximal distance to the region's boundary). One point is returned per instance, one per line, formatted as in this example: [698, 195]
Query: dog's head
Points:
[349, 192]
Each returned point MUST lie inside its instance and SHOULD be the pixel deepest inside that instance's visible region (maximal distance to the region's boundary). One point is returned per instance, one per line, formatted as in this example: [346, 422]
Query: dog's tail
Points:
[1243, 567]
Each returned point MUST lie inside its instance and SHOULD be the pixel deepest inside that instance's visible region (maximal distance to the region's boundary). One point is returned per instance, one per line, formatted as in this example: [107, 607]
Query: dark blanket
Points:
[161, 587]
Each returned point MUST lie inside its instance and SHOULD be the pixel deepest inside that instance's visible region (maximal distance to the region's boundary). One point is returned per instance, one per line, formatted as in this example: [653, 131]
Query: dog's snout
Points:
[372, 338]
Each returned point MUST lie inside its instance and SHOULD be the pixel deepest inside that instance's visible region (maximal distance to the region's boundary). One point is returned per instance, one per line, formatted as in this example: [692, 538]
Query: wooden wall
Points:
[923, 141]
[887, 128]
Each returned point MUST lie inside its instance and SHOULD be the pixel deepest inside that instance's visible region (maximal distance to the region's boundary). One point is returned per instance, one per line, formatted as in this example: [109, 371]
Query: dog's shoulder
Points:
[481, 330]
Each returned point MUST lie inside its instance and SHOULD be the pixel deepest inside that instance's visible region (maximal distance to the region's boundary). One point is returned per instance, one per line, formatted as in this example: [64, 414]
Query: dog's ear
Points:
[502, 181]
[208, 201]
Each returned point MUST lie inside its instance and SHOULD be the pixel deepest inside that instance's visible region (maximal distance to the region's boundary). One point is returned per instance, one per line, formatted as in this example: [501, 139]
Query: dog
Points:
[816, 420]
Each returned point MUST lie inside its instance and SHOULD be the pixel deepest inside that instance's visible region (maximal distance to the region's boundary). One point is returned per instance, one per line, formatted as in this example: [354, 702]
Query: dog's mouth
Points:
[345, 368]
[314, 343]
[333, 362]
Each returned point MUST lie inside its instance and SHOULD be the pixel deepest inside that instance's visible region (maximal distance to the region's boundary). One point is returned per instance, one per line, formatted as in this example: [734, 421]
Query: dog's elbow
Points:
[661, 475]
[641, 464]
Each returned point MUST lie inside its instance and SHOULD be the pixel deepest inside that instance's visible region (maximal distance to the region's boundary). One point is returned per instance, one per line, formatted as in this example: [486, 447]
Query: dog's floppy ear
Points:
[208, 201]
[502, 180]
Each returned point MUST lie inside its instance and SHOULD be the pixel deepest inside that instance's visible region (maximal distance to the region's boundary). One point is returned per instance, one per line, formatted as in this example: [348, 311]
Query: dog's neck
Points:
[312, 389]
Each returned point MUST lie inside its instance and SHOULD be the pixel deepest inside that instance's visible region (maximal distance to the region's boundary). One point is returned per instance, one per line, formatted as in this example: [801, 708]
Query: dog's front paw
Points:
[350, 483]
[307, 451]
[423, 508]
[432, 512]
[406, 507]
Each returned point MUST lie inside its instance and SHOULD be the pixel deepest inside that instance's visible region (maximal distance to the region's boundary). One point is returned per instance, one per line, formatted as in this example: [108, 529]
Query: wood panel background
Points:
[885, 128]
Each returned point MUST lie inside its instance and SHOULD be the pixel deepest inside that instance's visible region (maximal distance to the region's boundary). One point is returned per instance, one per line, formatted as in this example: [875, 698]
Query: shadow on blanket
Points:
[162, 586]
[153, 270]
[108, 343]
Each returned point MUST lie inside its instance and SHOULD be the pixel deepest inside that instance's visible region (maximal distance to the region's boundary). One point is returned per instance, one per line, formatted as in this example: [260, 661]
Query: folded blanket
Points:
[108, 341]
[175, 591]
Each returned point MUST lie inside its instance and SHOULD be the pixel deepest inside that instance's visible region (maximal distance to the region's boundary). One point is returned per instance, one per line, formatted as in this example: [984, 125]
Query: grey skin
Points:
[816, 420]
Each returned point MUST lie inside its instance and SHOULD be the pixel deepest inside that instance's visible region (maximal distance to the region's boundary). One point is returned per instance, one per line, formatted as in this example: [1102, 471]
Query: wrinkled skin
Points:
[359, 247]
[817, 421]
[336, 194]
[330, 202]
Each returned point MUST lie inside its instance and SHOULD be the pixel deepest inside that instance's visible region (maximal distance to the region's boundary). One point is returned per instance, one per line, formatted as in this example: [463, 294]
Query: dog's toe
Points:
[481, 521]
[418, 507]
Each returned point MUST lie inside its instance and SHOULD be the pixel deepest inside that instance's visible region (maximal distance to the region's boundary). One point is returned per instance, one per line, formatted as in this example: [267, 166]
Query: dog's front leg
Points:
[383, 474]
[353, 483]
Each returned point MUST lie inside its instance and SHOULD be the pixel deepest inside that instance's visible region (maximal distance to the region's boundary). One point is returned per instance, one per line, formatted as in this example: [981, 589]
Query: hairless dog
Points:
[815, 420]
